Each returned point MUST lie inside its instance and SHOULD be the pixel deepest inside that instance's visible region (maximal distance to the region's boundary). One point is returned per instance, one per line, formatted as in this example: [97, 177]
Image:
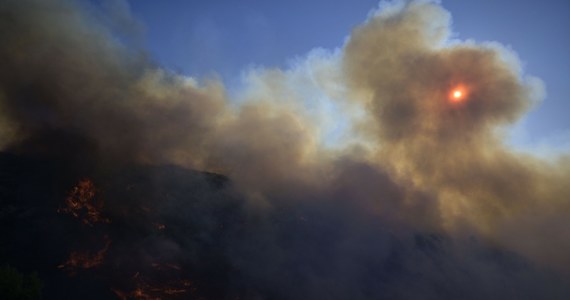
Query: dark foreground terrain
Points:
[164, 232]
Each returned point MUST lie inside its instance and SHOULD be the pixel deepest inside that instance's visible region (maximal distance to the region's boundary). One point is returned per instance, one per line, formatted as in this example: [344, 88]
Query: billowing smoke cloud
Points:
[402, 66]
[67, 86]
[65, 76]
[424, 199]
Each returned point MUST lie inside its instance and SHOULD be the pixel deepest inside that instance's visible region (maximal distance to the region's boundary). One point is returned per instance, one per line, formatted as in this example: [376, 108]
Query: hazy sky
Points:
[200, 38]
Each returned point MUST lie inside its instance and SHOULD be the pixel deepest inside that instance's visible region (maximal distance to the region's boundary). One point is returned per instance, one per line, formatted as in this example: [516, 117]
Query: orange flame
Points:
[82, 204]
[85, 260]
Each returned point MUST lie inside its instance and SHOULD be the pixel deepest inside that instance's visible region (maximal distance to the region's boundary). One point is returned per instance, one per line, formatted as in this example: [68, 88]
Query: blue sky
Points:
[202, 38]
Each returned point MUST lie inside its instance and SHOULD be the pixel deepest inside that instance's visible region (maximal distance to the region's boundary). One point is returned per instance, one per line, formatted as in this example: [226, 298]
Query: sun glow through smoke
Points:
[458, 94]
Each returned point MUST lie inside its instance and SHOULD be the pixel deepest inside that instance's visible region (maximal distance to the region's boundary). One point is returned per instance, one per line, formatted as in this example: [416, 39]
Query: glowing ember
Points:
[145, 291]
[159, 226]
[82, 204]
[85, 260]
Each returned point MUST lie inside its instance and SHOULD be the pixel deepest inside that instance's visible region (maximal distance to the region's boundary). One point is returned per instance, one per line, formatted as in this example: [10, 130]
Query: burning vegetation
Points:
[85, 260]
[145, 290]
[82, 204]
[165, 280]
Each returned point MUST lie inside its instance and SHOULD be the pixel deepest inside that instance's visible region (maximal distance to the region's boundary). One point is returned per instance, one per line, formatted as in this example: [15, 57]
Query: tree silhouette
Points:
[16, 286]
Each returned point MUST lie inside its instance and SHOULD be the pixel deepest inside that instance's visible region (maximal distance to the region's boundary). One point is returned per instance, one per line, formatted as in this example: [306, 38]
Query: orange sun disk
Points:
[457, 94]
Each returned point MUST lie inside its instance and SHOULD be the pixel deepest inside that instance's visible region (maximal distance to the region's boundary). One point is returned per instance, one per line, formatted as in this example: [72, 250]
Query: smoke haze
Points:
[418, 197]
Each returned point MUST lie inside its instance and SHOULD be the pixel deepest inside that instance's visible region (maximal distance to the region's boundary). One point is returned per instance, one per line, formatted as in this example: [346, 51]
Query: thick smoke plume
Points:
[408, 207]
[402, 66]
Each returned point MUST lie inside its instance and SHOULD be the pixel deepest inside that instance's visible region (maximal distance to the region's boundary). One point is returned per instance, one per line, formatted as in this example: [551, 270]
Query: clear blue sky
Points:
[225, 36]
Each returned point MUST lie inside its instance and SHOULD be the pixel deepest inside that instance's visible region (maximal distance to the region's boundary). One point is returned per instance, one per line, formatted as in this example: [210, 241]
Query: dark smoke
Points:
[425, 202]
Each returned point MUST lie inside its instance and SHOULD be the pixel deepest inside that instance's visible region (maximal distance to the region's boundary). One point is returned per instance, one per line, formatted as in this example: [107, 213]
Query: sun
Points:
[458, 94]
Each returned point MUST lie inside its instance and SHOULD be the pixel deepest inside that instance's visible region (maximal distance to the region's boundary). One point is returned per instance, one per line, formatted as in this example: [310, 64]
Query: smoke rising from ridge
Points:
[70, 89]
